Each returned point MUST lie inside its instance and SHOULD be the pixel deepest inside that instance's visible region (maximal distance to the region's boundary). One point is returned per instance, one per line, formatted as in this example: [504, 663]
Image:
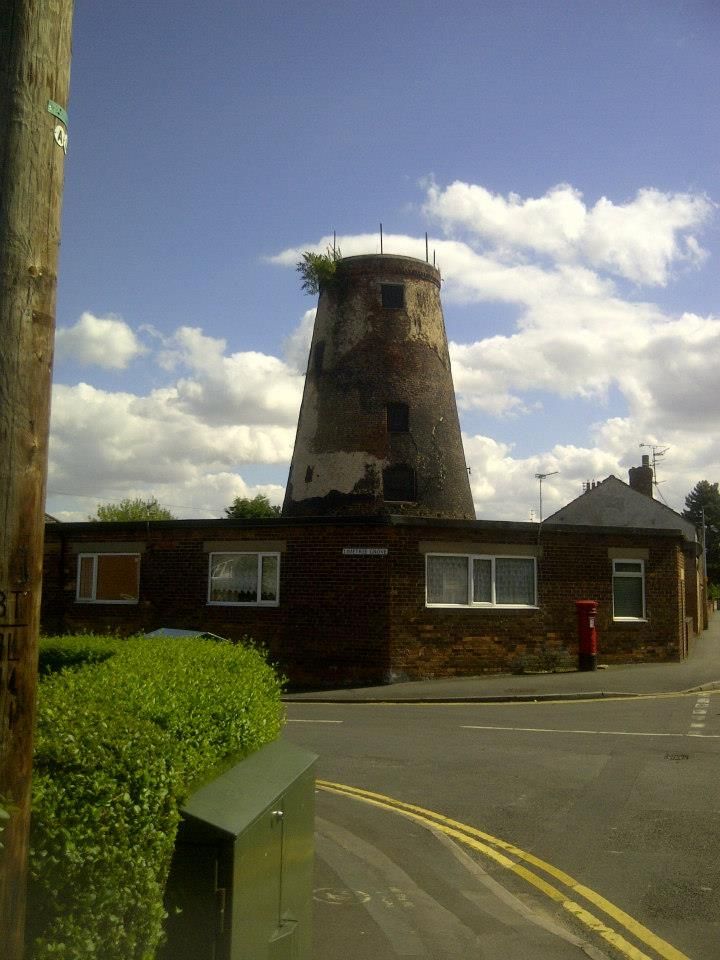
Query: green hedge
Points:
[59, 653]
[118, 746]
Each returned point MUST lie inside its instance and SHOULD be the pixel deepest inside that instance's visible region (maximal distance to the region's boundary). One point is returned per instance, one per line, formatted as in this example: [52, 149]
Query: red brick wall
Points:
[330, 625]
[435, 641]
[694, 591]
[362, 619]
[576, 567]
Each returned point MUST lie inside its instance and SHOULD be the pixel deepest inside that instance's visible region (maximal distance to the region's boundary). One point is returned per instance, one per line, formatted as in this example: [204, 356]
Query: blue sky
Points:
[561, 156]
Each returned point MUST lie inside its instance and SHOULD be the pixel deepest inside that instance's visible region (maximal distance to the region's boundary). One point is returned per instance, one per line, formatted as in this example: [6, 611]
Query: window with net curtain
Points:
[628, 590]
[466, 580]
[244, 578]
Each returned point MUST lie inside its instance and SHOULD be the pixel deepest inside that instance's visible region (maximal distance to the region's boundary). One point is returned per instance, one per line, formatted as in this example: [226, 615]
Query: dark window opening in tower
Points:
[393, 295]
[398, 418]
[399, 483]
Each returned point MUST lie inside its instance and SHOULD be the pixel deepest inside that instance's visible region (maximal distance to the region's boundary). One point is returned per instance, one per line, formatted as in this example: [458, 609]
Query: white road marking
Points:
[339, 896]
[609, 733]
[291, 720]
[505, 897]
[699, 716]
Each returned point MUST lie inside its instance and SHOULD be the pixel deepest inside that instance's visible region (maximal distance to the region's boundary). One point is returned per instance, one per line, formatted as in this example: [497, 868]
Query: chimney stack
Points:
[641, 478]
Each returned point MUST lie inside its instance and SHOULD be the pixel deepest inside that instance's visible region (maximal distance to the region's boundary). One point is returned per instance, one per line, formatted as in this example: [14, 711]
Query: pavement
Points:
[700, 671]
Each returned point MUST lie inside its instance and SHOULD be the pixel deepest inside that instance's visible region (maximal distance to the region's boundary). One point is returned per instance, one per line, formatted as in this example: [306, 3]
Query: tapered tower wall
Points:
[378, 431]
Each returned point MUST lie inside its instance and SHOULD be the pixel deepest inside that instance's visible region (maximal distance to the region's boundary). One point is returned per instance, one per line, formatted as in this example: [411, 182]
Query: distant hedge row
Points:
[119, 742]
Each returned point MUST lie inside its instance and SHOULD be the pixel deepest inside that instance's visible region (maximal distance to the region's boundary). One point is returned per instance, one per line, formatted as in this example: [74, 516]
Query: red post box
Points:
[587, 634]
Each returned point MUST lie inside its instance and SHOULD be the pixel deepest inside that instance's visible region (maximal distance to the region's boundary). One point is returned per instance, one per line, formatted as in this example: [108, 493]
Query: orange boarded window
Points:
[108, 577]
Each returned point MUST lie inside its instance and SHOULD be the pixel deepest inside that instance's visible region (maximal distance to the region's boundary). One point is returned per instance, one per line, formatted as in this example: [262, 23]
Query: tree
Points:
[705, 498]
[136, 509]
[243, 508]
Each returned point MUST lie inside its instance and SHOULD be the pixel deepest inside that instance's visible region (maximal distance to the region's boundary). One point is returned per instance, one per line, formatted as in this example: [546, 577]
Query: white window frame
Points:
[258, 602]
[628, 575]
[95, 558]
[483, 604]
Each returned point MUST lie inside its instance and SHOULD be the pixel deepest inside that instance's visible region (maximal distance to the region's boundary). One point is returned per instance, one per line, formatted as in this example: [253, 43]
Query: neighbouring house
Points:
[376, 568]
[611, 502]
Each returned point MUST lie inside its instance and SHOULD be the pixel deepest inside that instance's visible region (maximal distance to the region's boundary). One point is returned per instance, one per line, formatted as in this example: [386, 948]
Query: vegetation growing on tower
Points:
[318, 269]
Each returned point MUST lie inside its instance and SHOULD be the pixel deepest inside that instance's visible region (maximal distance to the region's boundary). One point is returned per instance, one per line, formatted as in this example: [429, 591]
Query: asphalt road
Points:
[619, 796]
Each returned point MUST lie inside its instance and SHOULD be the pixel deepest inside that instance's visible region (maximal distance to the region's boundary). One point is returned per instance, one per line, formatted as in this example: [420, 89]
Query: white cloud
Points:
[570, 347]
[673, 382]
[185, 443]
[639, 240]
[104, 341]
[249, 387]
[504, 487]
[122, 435]
[665, 369]
[218, 416]
[550, 224]
[296, 346]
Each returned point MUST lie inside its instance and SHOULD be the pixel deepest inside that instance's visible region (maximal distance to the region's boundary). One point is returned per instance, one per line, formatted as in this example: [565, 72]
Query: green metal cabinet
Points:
[240, 885]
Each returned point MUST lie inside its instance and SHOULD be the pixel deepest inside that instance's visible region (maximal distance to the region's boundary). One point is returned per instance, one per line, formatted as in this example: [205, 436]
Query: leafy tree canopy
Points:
[135, 509]
[705, 496]
[242, 508]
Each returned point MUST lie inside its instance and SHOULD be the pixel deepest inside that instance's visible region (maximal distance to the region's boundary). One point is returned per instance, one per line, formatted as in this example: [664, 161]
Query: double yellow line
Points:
[514, 859]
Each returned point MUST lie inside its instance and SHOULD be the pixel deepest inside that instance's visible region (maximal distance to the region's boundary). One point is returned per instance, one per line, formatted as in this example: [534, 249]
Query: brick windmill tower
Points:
[378, 431]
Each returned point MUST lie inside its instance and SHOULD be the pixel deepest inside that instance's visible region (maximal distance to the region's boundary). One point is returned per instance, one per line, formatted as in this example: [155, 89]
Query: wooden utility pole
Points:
[35, 40]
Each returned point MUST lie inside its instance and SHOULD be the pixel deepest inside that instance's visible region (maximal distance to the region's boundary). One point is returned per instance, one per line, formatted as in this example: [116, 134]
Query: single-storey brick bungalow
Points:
[359, 600]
